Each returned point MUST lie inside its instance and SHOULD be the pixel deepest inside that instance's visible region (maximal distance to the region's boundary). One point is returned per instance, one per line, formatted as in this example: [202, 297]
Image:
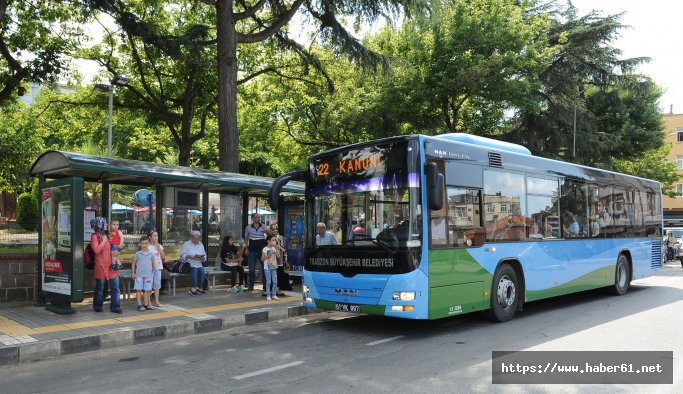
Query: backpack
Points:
[89, 255]
[89, 258]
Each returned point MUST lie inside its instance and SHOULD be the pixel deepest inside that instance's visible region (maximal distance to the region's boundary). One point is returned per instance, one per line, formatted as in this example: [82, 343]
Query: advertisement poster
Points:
[88, 215]
[294, 235]
[56, 235]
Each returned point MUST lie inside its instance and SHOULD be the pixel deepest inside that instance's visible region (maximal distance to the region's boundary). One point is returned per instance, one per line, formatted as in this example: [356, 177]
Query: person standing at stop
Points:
[254, 238]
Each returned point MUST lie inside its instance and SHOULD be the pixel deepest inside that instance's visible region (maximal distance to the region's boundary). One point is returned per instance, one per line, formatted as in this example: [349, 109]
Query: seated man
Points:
[324, 237]
[534, 232]
[571, 227]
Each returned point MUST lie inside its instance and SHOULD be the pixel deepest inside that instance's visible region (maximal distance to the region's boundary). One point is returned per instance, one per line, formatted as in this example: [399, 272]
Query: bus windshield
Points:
[365, 197]
[364, 218]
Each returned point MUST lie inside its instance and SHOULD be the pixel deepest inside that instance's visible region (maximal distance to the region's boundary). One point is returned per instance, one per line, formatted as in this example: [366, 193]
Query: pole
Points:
[111, 109]
[574, 149]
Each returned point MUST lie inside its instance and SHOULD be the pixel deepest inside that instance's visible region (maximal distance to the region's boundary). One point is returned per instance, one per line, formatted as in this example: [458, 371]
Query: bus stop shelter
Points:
[182, 199]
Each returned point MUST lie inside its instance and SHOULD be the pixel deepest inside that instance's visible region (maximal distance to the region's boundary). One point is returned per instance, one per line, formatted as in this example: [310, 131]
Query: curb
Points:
[36, 351]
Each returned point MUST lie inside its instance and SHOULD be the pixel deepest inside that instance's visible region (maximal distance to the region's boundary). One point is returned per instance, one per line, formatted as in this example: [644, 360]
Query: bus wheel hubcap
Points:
[621, 278]
[506, 292]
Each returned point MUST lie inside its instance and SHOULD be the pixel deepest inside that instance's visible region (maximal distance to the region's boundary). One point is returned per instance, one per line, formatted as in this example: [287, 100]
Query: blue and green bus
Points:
[426, 227]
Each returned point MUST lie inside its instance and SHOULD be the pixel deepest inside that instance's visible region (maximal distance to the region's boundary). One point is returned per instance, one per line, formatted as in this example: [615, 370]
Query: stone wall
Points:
[18, 276]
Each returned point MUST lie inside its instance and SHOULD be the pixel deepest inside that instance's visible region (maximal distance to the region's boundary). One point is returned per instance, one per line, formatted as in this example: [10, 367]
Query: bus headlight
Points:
[305, 288]
[403, 296]
[402, 308]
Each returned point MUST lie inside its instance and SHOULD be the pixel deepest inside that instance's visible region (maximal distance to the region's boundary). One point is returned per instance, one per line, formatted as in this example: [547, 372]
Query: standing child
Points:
[159, 257]
[143, 272]
[115, 239]
[269, 257]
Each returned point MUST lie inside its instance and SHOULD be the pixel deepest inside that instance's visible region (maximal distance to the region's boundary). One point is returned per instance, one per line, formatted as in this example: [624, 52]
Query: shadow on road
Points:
[549, 312]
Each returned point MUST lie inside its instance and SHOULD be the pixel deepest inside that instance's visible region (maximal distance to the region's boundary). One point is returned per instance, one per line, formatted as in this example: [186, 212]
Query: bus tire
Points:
[504, 294]
[622, 276]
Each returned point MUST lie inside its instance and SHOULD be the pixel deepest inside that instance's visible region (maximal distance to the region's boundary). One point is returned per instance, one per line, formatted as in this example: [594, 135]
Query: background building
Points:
[673, 207]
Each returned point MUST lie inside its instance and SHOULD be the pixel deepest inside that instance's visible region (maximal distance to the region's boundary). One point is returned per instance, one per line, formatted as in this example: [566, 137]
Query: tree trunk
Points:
[231, 216]
[228, 136]
[184, 153]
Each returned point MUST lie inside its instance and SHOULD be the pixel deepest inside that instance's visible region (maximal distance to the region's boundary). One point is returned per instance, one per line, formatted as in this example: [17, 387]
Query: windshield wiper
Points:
[382, 244]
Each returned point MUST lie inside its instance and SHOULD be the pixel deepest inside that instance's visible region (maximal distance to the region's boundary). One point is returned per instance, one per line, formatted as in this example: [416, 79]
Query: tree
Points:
[301, 112]
[268, 19]
[470, 52]
[241, 23]
[627, 110]
[27, 211]
[584, 63]
[20, 146]
[164, 53]
[78, 122]
[34, 36]
[652, 164]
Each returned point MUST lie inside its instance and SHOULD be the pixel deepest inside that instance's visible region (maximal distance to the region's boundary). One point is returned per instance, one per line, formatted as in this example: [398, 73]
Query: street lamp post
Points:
[120, 81]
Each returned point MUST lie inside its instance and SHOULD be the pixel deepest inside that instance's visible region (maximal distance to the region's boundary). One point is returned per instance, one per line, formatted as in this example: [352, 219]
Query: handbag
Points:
[181, 267]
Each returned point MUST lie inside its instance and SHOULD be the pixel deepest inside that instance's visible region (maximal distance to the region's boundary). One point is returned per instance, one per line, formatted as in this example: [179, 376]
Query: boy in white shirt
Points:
[269, 257]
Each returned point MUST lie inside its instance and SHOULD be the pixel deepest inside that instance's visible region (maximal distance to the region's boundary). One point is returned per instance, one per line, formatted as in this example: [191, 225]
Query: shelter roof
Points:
[59, 164]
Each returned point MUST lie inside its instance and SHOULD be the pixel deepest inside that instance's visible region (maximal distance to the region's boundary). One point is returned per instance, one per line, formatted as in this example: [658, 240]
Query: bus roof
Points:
[509, 156]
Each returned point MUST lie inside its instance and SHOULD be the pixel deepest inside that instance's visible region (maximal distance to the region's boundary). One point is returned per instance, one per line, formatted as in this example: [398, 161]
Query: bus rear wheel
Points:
[504, 294]
[622, 277]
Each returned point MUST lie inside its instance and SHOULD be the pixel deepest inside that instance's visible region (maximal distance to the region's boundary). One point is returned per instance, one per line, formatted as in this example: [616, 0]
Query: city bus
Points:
[426, 227]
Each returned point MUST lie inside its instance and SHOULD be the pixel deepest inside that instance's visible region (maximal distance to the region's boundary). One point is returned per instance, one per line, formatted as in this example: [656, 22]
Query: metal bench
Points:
[211, 273]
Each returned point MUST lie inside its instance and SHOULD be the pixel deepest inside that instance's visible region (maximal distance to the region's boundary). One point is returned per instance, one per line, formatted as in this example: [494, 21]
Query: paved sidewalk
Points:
[29, 333]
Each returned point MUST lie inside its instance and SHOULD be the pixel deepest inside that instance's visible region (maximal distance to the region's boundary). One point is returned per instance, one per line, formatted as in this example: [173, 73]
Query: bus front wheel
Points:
[622, 277]
[504, 294]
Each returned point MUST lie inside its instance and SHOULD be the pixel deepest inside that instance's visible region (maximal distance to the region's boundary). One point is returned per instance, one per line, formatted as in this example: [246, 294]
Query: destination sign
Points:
[361, 162]
[392, 159]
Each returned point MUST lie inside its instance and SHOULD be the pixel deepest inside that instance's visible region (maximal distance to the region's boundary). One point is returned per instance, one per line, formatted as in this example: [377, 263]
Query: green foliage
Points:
[652, 164]
[587, 77]
[20, 145]
[78, 122]
[27, 211]
[165, 50]
[34, 36]
[464, 53]
[627, 111]
[508, 69]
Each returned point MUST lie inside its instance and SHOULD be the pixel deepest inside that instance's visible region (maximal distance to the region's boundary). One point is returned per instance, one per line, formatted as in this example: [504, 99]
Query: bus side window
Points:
[464, 217]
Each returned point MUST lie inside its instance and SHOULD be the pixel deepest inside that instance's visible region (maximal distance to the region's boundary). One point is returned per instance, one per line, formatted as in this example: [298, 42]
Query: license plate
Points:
[347, 308]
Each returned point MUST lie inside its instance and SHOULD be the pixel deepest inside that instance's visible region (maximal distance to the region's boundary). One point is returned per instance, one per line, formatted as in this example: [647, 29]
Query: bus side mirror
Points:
[279, 183]
[435, 187]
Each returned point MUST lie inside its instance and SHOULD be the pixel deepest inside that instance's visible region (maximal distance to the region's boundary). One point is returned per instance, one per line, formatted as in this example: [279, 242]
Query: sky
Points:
[654, 32]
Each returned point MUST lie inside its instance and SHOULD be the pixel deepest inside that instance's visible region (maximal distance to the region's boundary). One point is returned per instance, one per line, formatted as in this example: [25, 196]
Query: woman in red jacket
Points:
[103, 272]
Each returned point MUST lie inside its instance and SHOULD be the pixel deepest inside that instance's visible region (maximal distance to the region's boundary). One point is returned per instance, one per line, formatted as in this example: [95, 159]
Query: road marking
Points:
[384, 340]
[267, 370]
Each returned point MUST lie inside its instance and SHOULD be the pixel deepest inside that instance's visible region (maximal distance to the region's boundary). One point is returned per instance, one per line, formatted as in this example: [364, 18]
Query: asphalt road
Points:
[336, 353]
